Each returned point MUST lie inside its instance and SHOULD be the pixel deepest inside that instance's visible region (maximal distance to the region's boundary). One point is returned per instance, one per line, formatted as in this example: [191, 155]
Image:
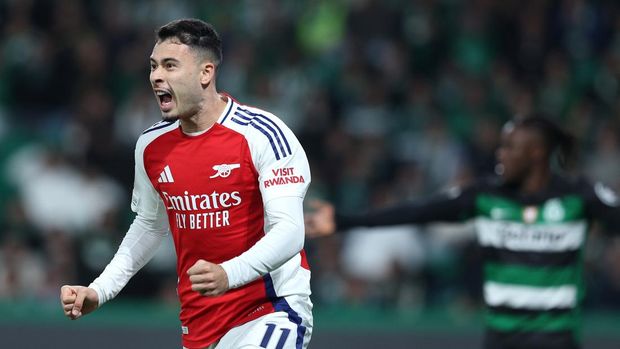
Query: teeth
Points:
[161, 93]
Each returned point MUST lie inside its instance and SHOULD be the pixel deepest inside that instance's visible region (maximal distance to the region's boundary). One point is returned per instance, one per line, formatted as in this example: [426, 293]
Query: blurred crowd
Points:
[392, 100]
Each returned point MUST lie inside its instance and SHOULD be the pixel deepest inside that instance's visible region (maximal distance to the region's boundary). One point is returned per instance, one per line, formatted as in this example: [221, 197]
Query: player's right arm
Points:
[454, 205]
[139, 245]
[78, 300]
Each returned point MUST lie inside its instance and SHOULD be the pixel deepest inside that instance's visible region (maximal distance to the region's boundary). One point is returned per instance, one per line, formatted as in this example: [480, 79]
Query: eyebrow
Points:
[165, 60]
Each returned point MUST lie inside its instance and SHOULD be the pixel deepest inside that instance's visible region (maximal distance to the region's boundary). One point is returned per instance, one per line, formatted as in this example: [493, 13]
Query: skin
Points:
[188, 75]
[78, 301]
[522, 159]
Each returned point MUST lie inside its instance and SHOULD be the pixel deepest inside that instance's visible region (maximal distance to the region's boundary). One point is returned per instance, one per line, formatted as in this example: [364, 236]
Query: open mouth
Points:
[165, 100]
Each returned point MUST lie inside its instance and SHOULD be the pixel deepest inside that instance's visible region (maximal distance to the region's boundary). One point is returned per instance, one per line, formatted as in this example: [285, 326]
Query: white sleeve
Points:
[138, 247]
[281, 163]
[284, 176]
[284, 238]
[142, 239]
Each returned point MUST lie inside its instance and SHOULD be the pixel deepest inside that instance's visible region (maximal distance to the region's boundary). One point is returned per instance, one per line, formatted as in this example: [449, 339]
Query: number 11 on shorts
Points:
[269, 333]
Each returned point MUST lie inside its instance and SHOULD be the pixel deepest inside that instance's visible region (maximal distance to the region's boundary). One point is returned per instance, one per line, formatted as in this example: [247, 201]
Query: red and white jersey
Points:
[214, 188]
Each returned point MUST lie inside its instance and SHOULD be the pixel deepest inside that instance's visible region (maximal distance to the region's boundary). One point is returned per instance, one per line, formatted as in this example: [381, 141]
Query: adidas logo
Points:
[166, 176]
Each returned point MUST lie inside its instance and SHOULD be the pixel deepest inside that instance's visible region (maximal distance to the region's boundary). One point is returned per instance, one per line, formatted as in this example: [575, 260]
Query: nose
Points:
[156, 76]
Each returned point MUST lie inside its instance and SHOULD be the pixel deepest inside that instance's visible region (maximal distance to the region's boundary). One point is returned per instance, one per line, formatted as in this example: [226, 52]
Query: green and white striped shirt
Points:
[532, 247]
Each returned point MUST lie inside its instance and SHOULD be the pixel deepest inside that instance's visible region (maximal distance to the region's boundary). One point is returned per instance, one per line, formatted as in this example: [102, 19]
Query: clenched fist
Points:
[321, 221]
[207, 278]
[78, 300]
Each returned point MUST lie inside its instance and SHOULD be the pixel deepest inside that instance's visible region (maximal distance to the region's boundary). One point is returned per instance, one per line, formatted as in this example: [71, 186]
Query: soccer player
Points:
[531, 225]
[228, 181]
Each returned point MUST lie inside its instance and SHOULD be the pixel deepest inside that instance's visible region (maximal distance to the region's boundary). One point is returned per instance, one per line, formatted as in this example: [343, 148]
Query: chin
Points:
[511, 180]
[168, 117]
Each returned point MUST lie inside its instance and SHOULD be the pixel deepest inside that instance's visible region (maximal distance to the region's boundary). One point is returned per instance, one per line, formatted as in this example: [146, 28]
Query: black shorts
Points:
[530, 340]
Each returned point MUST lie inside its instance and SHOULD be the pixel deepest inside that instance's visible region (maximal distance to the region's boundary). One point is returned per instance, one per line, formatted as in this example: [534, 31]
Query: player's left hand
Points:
[207, 278]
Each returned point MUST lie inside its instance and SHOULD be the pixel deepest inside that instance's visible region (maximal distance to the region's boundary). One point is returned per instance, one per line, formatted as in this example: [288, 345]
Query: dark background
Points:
[392, 100]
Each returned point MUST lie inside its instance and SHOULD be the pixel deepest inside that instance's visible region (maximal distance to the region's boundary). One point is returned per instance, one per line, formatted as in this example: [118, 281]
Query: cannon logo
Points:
[224, 170]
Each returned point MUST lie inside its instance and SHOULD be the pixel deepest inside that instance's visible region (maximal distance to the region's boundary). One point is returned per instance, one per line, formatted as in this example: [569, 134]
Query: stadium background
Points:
[391, 99]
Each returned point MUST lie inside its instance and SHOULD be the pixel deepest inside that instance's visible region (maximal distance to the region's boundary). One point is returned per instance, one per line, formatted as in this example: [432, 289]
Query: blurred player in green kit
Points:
[531, 224]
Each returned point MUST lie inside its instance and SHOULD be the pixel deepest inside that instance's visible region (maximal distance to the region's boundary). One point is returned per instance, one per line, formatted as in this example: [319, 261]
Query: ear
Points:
[207, 73]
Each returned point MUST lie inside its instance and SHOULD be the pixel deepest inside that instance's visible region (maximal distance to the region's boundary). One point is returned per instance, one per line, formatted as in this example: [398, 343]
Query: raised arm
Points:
[454, 205]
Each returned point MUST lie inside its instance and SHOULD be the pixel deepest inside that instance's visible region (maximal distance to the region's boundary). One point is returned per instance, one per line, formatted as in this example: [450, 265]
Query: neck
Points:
[210, 110]
[537, 180]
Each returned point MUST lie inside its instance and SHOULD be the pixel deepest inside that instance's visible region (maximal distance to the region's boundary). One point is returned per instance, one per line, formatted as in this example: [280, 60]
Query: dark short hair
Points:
[194, 33]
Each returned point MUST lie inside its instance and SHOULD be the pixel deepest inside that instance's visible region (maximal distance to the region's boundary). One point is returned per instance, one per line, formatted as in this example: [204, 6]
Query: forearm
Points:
[283, 239]
[136, 249]
[440, 208]
[384, 217]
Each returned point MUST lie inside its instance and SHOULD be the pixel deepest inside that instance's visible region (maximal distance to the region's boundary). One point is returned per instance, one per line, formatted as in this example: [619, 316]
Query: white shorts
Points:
[279, 330]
